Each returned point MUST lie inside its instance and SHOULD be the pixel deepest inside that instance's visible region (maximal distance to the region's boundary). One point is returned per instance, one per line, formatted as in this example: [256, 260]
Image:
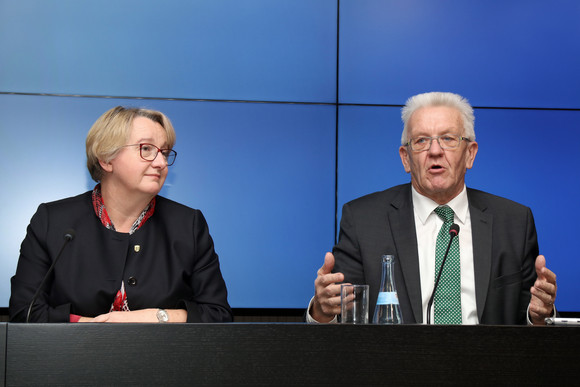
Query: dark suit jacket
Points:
[504, 251]
[169, 262]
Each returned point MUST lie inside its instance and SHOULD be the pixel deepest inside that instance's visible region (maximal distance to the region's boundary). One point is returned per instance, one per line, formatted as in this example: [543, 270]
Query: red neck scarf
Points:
[102, 214]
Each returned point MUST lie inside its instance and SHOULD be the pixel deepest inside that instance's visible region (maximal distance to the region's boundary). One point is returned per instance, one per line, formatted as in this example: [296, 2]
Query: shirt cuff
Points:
[528, 314]
[309, 318]
[74, 318]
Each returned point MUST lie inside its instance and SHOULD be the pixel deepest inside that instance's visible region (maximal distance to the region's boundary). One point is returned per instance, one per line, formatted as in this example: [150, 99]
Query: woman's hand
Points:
[138, 316]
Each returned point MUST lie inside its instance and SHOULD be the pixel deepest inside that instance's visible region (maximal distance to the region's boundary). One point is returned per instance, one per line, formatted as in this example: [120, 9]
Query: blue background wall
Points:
[286, 109]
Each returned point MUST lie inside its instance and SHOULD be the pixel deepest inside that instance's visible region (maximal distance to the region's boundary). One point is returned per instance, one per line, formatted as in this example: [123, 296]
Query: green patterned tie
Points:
[447, 309]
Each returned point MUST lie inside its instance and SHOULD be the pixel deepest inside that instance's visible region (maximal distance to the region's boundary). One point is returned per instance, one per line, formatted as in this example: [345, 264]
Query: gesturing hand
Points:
[543, 293]
[326, 303]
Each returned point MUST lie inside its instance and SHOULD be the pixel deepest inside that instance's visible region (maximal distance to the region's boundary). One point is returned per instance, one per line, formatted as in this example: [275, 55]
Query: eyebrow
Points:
[149, 140]
[145, 139]
[445, 131]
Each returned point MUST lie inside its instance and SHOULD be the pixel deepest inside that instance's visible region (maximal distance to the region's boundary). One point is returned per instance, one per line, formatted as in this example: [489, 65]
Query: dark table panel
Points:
[290, 354]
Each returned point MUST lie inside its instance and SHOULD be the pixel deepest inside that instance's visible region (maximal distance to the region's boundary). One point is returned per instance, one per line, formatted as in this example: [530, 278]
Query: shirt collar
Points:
[423, 206]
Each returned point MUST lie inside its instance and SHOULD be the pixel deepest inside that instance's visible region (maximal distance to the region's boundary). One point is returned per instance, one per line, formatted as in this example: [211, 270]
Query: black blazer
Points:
[169, 262]
[505, 247]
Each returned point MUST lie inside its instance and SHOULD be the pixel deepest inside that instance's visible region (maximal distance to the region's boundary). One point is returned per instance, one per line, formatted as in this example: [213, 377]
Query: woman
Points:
[135, 256]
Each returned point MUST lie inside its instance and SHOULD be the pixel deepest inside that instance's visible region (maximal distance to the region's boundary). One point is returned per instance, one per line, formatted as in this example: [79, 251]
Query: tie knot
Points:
[445, 213]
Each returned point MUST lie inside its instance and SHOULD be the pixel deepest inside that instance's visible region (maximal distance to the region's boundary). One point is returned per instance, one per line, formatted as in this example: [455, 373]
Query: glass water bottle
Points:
[388, 310]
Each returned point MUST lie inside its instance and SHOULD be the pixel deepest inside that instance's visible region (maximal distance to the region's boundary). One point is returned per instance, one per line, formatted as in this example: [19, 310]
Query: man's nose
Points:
[435, 147]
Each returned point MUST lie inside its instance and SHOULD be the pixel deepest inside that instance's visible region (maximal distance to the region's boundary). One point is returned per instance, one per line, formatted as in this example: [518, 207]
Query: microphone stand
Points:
[453, 231]
[68, 236]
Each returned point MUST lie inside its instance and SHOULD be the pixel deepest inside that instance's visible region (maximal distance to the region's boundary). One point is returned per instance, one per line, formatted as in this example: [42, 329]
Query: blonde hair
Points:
[112, 130]
[439, 99]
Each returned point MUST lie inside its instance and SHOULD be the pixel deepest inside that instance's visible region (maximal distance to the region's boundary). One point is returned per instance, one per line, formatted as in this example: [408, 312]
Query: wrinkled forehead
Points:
[435, 120]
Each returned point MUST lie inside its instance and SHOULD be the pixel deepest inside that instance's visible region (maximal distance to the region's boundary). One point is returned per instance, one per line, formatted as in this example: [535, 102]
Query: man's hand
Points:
[543, 293]
[326, 303]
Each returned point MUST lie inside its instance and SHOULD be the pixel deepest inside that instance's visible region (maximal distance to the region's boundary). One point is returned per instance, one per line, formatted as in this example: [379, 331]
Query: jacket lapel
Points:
[402, 225]
[481, 226]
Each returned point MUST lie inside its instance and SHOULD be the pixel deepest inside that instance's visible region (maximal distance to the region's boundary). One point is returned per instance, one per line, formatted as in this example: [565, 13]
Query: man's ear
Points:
[405, 158]
[471, 152]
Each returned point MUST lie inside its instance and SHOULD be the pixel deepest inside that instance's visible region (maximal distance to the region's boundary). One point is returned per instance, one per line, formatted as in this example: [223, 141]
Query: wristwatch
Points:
[162, 316]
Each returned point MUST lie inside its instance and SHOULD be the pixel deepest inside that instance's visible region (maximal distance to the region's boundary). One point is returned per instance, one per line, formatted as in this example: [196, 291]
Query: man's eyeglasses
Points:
[445, 141]
[149, 153]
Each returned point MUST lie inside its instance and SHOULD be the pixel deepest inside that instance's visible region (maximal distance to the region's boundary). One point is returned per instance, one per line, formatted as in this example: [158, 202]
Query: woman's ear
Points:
[106, 166]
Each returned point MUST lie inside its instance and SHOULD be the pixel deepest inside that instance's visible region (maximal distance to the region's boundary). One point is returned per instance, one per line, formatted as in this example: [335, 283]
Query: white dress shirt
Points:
[427, 226]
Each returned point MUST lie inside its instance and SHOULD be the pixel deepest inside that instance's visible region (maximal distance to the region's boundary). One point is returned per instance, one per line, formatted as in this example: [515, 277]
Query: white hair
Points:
[439, 99]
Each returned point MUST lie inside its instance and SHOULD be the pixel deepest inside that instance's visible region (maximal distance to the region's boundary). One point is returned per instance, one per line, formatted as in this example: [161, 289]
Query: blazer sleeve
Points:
[515, 273]
[531, 252]
[36, 255]
[508, 254]
[209, 303]
[347, 255]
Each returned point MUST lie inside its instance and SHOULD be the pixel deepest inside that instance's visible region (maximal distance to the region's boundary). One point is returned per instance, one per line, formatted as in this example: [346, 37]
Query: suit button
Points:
[132, 281]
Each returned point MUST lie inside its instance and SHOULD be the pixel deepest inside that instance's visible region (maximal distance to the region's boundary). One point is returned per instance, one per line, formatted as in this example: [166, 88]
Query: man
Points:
[502, 278]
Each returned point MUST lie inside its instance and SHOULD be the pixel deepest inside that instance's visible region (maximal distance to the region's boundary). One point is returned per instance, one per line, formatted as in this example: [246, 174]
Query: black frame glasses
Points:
[149, 152]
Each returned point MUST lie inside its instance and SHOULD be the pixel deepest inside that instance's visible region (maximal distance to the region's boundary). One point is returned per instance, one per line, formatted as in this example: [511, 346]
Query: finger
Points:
[328, 279]
[539, 307]
[330, 291]
[547, 284]
[541, 297]
[539, 310]
[546, 287]
[101, 318]
[540, 263]
[329, 299]
[328, 264]
[331, 305]
[325, 276]
[547, 275]
[541, 269]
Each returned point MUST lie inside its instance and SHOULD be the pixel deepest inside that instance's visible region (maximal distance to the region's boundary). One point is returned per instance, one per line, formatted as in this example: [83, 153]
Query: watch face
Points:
[162, 316]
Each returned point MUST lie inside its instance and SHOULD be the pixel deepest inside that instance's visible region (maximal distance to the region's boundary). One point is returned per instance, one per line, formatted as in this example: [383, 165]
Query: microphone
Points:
[453, 232]
[69, 235]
